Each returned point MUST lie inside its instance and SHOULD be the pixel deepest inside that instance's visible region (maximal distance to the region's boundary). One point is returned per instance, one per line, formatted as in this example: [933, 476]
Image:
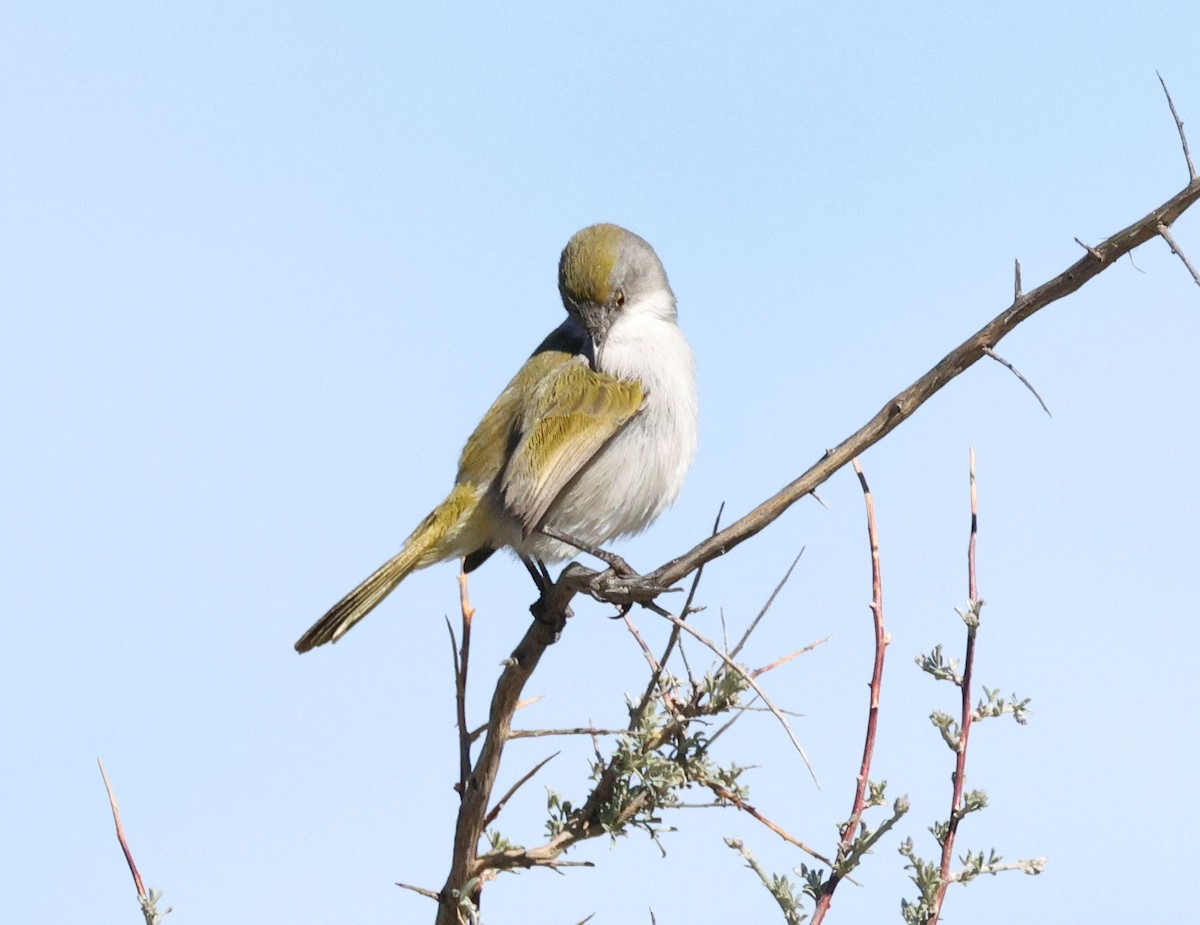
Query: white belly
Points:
[638, 474]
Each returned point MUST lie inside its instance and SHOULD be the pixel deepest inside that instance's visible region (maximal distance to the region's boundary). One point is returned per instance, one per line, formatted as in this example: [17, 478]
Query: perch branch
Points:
[611, 587]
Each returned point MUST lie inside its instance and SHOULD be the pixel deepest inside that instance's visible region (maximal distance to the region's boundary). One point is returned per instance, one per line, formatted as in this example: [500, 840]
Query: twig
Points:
[1016, 372]
[784, 659]
[672, 640]
[850, 830]
[462, 659]
[472, 810]
[147, 900]
[419, 889]
[1091, 250]
[1187, 155]
[574, 731]
[732, 798]
[112, 802]
[1016, 280]
[787, 904]
[495, 811]
[1165, 232]
[960, 765]
[767, 606]
[735, 667]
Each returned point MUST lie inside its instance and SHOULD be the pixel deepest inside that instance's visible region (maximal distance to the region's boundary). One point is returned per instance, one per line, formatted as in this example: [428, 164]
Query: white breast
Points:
[638, 474]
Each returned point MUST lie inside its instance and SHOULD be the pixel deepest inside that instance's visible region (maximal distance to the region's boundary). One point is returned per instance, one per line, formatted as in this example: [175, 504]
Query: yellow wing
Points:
[572, 412]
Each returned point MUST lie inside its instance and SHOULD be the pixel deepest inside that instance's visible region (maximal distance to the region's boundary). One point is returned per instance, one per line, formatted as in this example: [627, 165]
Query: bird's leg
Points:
[552, 617]
[611, 559]
[539, 573]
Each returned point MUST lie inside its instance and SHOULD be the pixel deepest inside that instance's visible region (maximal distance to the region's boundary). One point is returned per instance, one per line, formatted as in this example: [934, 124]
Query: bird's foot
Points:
[619, 566]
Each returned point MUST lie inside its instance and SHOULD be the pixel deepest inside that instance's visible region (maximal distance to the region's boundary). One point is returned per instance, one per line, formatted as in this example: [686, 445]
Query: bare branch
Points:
[1091, 250]
[419, 889]
[147, 900]
[850, 829]
[1165, 233]
[495, 811]
[784, 659]
[1016, 280]
[573, 731]
[1187, 155]
[733, 799]
[734, 666]
[611, 587]
[767, 605]
[960, 764]
[1016, 372]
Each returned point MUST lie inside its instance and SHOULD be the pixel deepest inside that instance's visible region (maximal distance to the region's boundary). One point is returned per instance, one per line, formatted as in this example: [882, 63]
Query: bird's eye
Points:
[619, 298]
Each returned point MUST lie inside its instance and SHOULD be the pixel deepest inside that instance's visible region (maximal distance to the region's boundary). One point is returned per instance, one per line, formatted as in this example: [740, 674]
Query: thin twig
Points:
[1016, 372]
[738, 669]
[495, 811]
[419, 889]
[960, 764]
[573, 731]
[112, 802]
[1091, 250]
[850, 829]
[1016, 280]
[1187, 155]
[461, 665]
[1165, 232]
[732, 798]
[784, 659]
[147, 899]
[672, 640]
[655, 665]
[767, 606]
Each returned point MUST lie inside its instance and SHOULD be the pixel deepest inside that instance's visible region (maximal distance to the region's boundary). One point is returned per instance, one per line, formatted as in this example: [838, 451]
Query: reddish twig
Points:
[112, 802]
[462, 657]
[960, 765]
[881, 642]
[147, 899]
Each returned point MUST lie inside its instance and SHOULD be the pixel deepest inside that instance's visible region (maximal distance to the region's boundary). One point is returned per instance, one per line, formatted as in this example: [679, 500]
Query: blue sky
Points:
[264, 267]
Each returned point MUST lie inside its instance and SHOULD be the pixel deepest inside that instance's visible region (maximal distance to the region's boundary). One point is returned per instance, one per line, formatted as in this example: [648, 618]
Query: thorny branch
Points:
[461, 891]
[610, 587]
[964, 731]
[846, 845]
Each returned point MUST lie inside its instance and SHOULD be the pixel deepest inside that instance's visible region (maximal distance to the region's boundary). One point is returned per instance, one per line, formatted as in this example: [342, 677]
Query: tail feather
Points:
[361, 601]
[433, 541]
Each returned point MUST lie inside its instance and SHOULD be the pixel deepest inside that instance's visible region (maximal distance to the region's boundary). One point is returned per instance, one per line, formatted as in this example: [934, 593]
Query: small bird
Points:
[590, 440]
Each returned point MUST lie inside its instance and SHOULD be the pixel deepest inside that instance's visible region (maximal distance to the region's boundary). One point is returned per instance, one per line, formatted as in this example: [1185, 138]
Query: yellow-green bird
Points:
[591, 439]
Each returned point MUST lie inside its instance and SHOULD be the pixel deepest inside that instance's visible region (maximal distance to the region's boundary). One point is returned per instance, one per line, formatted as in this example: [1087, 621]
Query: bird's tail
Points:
[434, 540]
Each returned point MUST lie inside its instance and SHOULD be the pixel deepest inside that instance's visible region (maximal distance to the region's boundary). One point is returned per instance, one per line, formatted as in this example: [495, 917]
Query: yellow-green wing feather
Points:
[572, 412]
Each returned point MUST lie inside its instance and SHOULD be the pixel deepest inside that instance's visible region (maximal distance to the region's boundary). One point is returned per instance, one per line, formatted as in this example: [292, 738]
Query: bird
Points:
[590, 441]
